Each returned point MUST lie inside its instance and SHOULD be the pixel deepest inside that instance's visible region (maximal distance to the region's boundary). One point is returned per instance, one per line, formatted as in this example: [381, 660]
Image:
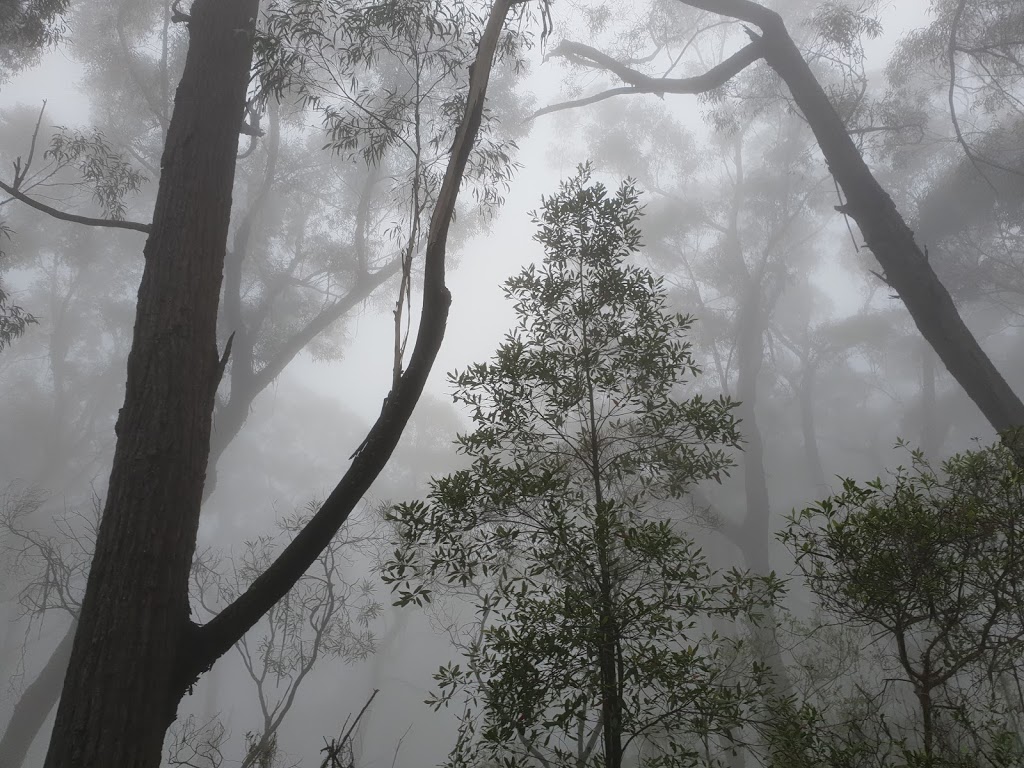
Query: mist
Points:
[809, 212]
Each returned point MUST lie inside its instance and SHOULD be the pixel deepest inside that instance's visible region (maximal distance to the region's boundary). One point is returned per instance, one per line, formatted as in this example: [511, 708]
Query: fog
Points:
[339, 169]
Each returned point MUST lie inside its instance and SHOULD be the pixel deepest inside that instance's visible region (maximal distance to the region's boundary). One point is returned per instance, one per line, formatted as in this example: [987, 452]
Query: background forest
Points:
[762, 510]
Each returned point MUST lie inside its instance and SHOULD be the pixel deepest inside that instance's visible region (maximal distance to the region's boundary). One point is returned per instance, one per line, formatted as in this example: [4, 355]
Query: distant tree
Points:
[592, 602]
[930, 565]
[905, 266]
[324, 616]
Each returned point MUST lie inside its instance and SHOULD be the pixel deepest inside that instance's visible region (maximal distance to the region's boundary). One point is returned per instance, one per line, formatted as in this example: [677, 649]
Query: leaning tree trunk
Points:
[125, 677]
[136, 652]
[891, 240]
[35, 704]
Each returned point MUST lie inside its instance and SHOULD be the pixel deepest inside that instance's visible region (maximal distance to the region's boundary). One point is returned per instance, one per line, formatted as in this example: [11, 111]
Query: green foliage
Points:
[106, 171]
[930, 564]
[13, 320]
[561, 529]
[27, 27]
[386, 79]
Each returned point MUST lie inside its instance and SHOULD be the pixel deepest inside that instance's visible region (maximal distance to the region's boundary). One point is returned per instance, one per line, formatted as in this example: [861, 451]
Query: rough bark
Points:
[35, 705]
[125, 677]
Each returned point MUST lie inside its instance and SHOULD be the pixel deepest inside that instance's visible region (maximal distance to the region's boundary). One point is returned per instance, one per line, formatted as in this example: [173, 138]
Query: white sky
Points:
[479, 315]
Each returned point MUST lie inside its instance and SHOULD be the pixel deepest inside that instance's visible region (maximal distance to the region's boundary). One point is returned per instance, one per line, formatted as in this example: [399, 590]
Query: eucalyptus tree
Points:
[905, 266]
[592, 602]
[134, 630]
[303, 254]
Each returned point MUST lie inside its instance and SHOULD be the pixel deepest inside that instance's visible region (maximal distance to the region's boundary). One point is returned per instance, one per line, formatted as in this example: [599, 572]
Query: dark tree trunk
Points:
[125, 677]
[891, 240]
[35, 705]
[136, 652]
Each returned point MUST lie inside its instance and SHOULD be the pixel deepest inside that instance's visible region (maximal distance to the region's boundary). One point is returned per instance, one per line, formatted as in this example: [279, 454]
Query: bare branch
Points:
[577, 103]
[88, 221]
[715, 77]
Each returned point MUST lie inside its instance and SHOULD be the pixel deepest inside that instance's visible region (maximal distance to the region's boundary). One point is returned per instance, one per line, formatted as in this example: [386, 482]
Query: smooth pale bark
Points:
[136, 652]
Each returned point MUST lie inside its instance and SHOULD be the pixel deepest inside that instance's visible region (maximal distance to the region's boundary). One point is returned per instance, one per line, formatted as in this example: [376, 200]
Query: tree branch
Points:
[72, 217]
[212, 640]
[715, 77]
[577, 103]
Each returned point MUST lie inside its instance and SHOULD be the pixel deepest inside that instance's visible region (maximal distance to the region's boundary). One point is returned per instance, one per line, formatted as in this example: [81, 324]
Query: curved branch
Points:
[215, 638]
[577, 103]
[976, 160]
[88, 221]
[715, 77]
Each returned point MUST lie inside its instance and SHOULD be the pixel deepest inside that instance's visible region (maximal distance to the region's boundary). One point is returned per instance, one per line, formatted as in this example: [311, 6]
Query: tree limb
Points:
[88, 221]
[215, 638]
[715, 77]
[577, 103]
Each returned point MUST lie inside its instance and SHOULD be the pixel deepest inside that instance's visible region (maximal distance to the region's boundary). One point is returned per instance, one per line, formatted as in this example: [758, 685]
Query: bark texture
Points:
[136, 651]
[125, 677]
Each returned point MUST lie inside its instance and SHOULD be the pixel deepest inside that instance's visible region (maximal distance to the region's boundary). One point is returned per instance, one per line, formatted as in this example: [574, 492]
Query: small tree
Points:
[931, 565]
[589, 597]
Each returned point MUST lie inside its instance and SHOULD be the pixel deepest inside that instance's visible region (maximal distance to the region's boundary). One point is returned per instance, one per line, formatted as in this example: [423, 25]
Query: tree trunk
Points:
[136, 651]
[809, 429]
[887, 235]
[35, 705]
[929, 415]
[125, 677]
[755, 535]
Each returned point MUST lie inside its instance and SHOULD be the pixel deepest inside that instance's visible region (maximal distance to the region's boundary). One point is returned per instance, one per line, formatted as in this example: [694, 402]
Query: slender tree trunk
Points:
[809, 429]
[755, 536]
[35, 705]
[125, 677]
[929, 416]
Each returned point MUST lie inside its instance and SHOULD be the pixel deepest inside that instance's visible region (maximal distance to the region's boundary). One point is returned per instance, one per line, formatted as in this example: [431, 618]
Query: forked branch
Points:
[215, 638]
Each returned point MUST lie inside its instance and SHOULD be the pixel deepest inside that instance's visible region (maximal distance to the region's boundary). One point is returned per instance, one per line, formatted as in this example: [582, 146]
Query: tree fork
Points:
[885, 231]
